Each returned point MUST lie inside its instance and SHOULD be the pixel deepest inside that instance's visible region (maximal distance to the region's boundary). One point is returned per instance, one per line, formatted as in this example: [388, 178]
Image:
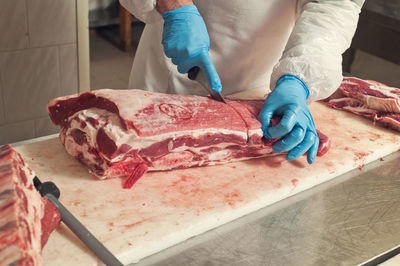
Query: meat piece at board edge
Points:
[26, 218]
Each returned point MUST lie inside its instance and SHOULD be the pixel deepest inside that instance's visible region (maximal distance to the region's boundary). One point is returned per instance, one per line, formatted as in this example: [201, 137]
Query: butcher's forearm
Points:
[168, 5]
[323, 31]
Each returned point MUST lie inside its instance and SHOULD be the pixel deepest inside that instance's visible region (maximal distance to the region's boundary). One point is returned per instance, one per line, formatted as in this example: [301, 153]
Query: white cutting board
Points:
[165, 208]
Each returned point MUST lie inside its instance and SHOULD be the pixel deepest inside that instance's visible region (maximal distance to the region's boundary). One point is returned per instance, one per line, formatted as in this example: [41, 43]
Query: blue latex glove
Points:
[186, 42]
[289, 100]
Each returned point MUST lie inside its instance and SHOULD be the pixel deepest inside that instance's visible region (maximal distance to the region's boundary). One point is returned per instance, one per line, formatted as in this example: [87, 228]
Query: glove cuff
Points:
[294, 78]
[184, 9]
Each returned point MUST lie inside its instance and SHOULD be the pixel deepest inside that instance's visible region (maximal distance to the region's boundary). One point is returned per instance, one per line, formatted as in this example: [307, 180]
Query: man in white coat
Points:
[295, 46]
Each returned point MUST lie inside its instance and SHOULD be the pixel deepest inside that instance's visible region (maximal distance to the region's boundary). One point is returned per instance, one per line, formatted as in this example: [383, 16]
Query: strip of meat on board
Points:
[370, 99]
[375, 95]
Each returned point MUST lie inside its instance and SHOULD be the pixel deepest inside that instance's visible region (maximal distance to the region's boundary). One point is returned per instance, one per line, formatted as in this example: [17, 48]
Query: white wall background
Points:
[38, 62]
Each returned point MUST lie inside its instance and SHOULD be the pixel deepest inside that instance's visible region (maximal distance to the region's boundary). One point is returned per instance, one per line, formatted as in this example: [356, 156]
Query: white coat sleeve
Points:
[314, 50]
[144, 10]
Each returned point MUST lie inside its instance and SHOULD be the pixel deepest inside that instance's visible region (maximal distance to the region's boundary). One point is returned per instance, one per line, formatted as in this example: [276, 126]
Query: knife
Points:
[196, 74]
[51, 191]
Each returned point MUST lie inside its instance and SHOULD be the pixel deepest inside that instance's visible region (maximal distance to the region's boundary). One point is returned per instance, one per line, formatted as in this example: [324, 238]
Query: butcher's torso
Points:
[247, 39]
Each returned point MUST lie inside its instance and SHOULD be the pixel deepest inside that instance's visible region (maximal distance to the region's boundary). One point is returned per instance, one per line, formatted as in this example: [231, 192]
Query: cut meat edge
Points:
[60, 109]
[254, 132]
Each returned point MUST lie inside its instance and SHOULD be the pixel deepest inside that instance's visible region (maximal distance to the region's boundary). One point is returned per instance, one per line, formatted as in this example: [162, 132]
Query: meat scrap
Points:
[125, 133]
[370, 99]
[373, 94]
[26, 219]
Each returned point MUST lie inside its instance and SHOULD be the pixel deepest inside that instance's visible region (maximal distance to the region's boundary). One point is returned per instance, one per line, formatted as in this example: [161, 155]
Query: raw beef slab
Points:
[26, 219]
[375, 95]
[128, 132]
[369, 99]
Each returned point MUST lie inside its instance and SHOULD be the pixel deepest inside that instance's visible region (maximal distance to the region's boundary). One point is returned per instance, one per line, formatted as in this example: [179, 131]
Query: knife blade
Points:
[196, 74]
[51, 191]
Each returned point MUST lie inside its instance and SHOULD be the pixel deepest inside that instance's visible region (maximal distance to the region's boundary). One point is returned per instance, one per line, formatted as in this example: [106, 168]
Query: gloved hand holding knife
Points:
[186, 42]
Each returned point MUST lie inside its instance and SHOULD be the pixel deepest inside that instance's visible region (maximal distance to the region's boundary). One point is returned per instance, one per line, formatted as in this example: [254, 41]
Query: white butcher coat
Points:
[252, 44]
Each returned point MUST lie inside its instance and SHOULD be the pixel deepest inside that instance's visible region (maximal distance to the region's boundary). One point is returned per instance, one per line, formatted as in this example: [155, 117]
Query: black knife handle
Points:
[46, 188]
[193, 72]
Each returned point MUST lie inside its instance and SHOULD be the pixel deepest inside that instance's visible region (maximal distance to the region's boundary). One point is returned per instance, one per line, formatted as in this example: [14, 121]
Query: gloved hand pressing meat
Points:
[289, 100]
[186, 42]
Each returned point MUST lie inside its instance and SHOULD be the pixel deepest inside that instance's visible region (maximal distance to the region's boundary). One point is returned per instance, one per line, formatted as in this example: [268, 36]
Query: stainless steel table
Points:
[342, 222]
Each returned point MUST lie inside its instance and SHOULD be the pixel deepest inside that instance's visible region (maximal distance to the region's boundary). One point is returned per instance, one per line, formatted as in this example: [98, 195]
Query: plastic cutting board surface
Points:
[165, 208]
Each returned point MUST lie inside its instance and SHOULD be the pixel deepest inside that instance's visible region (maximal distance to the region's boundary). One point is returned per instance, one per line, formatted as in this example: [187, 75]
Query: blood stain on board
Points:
[183, 178]
[110, 225]
[74, 165]
[198, 193]
[374, 136]
[295, 181]
[208, 208]
[137, 223]
[79, 191]
[381, 159]
[361, 155]
[232, 198]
